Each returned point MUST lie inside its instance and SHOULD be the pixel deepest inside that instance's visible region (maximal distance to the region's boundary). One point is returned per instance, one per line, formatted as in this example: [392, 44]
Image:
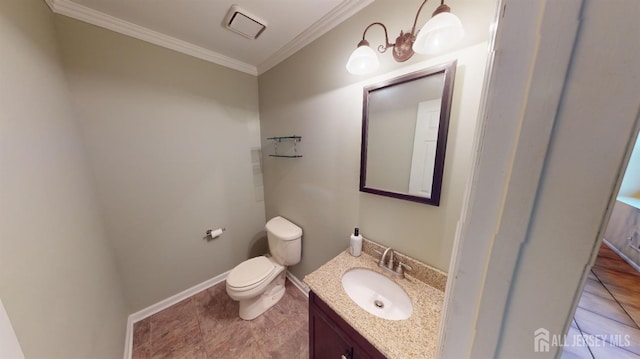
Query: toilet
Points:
[258, 283]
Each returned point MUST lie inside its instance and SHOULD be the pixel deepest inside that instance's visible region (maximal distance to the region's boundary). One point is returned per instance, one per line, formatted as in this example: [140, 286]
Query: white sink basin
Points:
[377, 294]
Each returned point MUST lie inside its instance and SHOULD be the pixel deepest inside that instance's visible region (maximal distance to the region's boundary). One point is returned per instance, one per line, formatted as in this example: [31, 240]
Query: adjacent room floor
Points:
[207, 326]
[606, 322]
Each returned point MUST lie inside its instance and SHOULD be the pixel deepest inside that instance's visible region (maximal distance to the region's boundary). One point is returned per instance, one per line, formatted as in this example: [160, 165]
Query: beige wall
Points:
[58, 278]
[169, 138]
[312, 95]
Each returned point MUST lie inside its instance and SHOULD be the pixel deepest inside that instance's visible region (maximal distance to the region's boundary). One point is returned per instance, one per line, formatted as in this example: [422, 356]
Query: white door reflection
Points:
[424, 148]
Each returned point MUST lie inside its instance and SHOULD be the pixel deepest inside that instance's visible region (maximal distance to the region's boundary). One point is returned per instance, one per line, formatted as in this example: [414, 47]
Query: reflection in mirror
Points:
[404, 134]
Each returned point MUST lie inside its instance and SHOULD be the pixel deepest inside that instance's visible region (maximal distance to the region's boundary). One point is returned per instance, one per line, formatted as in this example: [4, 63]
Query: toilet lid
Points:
[250, 272]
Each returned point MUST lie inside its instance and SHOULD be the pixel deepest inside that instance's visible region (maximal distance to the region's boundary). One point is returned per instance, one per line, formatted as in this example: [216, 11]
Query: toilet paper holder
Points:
[215, 233]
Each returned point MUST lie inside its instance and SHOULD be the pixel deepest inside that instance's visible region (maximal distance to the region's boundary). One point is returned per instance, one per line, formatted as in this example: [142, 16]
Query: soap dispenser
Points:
[355, 247]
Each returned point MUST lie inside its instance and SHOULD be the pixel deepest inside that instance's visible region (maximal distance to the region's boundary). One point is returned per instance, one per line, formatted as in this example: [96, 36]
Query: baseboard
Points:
[298, 283]
[128, 340]
[622, 255]
[164, 304]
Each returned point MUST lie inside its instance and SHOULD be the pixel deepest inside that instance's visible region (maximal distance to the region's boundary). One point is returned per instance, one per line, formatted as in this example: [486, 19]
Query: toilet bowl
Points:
[258, 283]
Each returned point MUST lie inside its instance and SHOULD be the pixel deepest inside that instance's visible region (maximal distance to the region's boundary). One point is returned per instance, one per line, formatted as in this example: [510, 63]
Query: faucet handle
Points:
[401, 267]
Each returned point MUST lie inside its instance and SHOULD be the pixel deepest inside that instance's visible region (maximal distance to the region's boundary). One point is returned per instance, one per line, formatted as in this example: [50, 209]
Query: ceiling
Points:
[195, 27]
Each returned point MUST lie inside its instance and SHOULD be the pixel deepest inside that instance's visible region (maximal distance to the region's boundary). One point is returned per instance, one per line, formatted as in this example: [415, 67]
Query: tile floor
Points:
[609, 306]
[207, 326]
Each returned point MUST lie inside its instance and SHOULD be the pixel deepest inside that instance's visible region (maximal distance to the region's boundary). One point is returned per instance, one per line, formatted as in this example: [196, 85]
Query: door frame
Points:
[530, 56]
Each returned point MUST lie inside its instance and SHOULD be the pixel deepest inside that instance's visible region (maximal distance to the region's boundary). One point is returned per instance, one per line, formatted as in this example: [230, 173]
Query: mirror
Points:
[404, 134]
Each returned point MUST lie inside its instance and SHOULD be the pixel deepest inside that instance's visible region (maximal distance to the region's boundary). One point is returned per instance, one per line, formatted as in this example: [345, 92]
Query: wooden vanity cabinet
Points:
[331, 337]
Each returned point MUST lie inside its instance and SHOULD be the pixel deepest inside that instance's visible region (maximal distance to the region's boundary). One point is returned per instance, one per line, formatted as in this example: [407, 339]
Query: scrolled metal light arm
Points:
[382, 48]
[402, 48]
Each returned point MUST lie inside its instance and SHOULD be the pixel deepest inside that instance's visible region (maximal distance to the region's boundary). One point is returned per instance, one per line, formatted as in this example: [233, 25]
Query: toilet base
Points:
[254, 307]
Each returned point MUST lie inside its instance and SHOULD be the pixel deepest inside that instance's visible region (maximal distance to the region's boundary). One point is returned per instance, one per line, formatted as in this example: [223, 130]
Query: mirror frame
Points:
[449, 70]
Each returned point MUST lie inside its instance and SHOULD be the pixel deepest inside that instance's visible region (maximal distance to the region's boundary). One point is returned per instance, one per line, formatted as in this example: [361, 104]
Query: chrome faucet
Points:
[388, 267]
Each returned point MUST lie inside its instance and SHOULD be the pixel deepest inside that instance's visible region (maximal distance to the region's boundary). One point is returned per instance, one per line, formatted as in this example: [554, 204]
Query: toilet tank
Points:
[285, 241]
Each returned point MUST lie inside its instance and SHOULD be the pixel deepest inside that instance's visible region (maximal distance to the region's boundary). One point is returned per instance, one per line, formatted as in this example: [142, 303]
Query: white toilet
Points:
[258, 283]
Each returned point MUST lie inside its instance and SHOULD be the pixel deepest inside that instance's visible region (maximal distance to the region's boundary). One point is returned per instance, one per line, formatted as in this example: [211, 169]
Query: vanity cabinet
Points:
[331, 337]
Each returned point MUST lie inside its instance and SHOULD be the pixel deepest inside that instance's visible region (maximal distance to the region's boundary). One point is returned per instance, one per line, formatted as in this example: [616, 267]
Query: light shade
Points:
[440, 33]
[363, 60]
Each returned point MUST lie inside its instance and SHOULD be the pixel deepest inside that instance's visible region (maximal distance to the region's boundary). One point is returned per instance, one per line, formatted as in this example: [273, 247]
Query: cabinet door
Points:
[327, 343]
[331, 337]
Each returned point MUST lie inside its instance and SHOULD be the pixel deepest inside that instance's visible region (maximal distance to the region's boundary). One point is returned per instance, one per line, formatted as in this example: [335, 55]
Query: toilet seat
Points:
[250, 273]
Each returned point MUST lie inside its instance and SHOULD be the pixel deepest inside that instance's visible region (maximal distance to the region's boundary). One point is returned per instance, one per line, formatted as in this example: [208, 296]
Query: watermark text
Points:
[543, 341]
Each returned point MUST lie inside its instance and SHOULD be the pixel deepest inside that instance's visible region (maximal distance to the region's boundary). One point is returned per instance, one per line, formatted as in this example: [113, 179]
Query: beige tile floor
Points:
[207, 326]
[609, 309]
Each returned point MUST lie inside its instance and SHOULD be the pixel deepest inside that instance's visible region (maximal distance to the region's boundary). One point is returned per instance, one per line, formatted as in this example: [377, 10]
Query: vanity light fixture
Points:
[442, 31]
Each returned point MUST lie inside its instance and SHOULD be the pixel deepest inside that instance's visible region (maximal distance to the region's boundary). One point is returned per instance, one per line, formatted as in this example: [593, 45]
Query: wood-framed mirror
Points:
[405, 122]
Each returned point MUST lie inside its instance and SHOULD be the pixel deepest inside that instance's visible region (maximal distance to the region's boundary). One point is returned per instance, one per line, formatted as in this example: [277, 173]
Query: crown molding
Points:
[51, 4]
[94, 17]
[79, 12]
[332, 19]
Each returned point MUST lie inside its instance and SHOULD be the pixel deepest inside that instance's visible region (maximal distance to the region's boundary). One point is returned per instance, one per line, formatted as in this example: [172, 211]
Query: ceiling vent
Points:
[243, 23]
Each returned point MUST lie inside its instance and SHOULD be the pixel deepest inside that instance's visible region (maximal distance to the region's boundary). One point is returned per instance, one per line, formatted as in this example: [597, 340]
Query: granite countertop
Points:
[416, 337]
